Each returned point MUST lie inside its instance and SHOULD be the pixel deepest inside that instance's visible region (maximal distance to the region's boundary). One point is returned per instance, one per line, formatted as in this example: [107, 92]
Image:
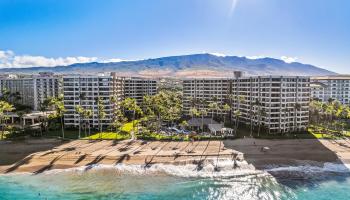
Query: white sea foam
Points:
[222, 168]
[211, 169]
[327, 167]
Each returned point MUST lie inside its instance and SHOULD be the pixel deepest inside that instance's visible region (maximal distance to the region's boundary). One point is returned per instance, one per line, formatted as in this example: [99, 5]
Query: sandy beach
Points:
[40, 155]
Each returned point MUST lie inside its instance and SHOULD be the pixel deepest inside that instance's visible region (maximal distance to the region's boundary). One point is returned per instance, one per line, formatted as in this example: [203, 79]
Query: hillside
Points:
[206, 65]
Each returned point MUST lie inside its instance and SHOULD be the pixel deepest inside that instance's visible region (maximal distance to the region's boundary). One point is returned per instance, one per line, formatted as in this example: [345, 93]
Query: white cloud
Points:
[10, 59]
[288, 59]
[112, 60]
[255, 57]
[218, 54]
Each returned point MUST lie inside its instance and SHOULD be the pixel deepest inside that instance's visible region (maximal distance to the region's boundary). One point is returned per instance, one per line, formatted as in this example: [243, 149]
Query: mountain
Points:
[196, 65]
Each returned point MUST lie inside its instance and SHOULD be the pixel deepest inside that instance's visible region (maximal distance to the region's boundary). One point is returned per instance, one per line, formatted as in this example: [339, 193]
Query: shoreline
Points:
[48, 154]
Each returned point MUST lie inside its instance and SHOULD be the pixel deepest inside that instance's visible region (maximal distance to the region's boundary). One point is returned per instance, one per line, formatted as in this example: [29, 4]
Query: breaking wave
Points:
[213, 169]
[327, 167]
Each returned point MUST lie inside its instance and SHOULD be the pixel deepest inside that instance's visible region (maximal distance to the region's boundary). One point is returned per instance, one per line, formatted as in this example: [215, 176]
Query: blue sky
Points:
[52, 32]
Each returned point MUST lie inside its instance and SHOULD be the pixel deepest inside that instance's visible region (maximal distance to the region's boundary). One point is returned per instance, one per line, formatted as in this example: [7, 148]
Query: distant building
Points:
[331, 87]
[172, 84]
[278, 103]
[86, 90]
[32, 91]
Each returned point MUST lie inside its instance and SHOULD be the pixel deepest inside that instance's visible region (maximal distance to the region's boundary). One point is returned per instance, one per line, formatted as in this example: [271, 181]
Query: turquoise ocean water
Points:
[180, 182]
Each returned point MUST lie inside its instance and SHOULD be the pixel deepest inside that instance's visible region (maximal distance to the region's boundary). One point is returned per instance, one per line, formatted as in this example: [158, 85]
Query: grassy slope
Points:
[122, 135]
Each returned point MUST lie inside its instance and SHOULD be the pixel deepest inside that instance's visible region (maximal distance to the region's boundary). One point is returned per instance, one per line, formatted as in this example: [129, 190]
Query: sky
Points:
[62, 32]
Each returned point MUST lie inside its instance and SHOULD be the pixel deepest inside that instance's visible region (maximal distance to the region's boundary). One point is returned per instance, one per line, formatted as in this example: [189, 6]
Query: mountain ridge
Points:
[186, 66]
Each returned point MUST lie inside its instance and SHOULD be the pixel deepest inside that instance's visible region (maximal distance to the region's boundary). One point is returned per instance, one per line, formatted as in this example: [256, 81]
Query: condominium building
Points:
[202, 92]
[86, 90]
[31, 91]
[137, 88]
[331, 87]
[278, 103]
[281, 104]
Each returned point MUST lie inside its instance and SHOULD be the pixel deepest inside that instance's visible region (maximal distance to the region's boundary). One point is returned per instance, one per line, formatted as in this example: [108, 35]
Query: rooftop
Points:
[332, 77]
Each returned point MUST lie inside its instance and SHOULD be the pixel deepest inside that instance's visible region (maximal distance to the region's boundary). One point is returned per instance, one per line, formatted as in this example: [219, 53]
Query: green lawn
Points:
[127, 127]
[313, 132]
[323, 133]
[123, 135]
[109, 136]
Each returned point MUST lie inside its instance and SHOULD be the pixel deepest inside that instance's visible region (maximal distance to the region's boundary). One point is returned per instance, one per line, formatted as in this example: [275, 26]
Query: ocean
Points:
[213, 181]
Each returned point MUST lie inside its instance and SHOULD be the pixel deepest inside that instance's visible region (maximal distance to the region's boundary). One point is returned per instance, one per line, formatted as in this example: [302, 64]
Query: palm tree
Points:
[261, 113]
[230, 100]
[203, 112]
[226, 108]
[118, 120]
[297, 107]
[58, 105]
[44, 106]
[252, 114]
[101, 114]
[80, 110]
[5, 107]
[131, 105]
[20, 116]
[184, 124]
[213, 106]
[286, 113]
[237, 114]
[194, 112]
[16, 97]
[316, 111]
[5, 95]
[87, 114]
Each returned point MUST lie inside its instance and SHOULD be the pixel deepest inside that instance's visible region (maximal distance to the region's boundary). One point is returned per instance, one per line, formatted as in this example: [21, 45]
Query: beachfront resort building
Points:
[137, 88]
[199, 93]
[87, 90]
[281, 104]
[327, 88]
[30, 91]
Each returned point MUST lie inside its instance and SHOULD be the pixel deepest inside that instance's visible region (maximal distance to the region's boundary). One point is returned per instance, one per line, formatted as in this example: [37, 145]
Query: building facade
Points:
[202, 92]
[87, 90]
[331, 88]
[44, 88]
[137, 88]
[280, 104]
[31, 91]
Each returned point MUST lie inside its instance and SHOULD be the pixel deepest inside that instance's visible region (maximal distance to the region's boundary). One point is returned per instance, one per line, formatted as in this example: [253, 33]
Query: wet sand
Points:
[40, 155]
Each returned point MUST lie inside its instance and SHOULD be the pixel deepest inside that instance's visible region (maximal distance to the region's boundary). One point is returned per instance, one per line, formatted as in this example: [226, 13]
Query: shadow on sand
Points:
[47, 167]
[14, 152]
[291, 152]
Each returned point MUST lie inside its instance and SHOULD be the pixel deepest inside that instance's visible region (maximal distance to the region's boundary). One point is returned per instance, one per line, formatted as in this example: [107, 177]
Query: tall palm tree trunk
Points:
[62, 127]
[2, 130]
[202, 125]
